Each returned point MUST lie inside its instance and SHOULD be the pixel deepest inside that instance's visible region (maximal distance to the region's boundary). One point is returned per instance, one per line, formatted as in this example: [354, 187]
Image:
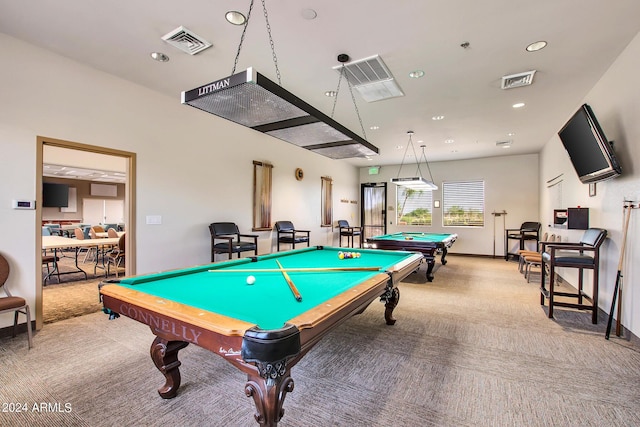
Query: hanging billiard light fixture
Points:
[252, 100]
[415, 182]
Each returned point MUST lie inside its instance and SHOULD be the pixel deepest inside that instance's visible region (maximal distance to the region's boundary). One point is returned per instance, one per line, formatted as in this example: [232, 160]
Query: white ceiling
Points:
[462, 84]
[83, 174]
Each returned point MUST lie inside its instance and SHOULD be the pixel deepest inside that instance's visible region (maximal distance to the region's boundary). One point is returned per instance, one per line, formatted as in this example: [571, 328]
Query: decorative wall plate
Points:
[299, 174]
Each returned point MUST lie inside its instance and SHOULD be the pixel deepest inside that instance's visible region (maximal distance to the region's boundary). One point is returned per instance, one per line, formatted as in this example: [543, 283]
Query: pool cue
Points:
[618, 286]
[619, 318]
[296, 270]
[290, 283]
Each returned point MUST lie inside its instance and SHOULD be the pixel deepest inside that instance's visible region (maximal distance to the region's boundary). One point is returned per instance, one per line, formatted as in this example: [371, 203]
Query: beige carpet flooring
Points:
[74, 295]
[472, 348]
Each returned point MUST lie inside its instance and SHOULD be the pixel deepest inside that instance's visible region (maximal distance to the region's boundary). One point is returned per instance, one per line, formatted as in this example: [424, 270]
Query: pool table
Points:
[429, 244]
[260, 328]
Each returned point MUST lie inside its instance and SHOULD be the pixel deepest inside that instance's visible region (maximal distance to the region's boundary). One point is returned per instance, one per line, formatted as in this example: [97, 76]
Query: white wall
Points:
[193, 168]
[511, 185]
[615, 100]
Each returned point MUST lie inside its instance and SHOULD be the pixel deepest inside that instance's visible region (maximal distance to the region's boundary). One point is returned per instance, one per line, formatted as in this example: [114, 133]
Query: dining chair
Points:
[15, 304]
[117, 255]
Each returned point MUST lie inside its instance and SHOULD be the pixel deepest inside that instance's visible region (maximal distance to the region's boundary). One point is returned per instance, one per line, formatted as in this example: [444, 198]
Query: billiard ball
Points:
[251, 280]
[340, 255]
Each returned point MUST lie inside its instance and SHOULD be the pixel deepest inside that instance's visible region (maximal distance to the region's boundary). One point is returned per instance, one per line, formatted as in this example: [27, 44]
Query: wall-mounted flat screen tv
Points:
[590, 152]
[55, 195]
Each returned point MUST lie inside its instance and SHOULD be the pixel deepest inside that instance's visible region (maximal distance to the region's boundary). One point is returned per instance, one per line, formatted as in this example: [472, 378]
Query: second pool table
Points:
[429, 244]
[260, 328]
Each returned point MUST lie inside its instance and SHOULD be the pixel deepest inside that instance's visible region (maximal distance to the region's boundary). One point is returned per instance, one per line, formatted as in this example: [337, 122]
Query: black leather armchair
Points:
[233, 243]
[582, 255]
[287, 233]
[349, 232]
[527, 231]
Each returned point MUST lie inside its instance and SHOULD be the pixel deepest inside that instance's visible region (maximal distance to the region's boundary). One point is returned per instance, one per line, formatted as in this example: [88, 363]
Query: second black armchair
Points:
[349, 232]
[226, 239]
[287, 233]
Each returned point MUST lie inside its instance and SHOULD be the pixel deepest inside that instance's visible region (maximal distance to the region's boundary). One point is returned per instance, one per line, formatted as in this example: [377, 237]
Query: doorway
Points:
[75, 149]
[374, 209]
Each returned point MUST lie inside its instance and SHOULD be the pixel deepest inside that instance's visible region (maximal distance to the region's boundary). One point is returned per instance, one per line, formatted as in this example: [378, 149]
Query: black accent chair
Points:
[527, 231]
[349, 232]
[287, 233]
[582, 255]
[229, 232]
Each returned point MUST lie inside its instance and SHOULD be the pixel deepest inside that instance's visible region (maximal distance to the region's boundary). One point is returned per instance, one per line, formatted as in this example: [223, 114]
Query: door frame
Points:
[129, 207]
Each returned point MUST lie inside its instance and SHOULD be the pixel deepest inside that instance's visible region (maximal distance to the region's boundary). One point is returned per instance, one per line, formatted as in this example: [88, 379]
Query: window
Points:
[414, 206]
[261, 195]
[326, 204]
[463, 204]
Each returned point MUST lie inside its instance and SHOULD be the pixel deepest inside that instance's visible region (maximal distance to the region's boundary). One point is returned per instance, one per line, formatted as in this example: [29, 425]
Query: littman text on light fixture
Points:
[252, 100]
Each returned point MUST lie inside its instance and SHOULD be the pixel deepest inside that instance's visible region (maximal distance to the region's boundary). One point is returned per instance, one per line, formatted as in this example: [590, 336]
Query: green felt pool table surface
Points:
[421, 237]
[268, 303]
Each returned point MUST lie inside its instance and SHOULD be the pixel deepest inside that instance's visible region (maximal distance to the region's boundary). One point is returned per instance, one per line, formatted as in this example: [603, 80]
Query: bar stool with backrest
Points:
[524, 252]
[582, 255]
[9, 303]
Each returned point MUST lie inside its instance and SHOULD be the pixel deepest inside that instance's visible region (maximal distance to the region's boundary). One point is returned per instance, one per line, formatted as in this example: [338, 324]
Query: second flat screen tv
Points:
[589, 150]
[55, 195]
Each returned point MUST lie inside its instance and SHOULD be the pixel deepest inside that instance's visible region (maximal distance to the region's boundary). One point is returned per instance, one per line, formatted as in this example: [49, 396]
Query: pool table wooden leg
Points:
[444, 254]
[268, 394]
[431, 262]
[165, 356]
[391, 298]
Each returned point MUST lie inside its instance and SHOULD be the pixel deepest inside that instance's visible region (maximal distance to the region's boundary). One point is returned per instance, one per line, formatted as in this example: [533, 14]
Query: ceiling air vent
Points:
[518, 80]
[371, 78]
[186, 40]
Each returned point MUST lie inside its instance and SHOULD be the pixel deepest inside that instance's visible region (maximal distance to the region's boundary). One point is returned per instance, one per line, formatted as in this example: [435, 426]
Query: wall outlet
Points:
[154, 219]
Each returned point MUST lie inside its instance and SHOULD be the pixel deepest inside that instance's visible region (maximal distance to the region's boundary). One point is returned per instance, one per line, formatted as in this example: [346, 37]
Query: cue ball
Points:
[251, 280]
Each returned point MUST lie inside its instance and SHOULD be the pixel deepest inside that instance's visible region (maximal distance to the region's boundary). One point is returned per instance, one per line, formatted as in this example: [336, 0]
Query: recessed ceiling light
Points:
[511, 133]
[416, 74]
[506, 146]
[518, 105]
[448, 141]
[398, 147]
[159, 56]
[309, 14]
[374, 127]
[330, 93]
[536, 46]
[234, 17]
[437, 117]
